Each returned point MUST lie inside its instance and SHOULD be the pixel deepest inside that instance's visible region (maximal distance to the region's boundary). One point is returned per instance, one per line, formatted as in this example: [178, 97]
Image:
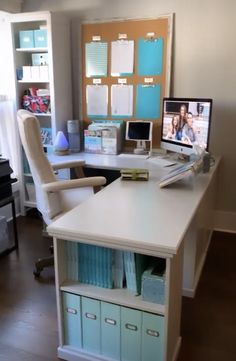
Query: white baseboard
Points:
[225, 221]
[177, 349]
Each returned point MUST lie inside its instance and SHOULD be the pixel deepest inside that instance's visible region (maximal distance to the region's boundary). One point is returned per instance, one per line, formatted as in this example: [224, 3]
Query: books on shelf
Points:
[110, 268]
[180, 172]
[95, 265]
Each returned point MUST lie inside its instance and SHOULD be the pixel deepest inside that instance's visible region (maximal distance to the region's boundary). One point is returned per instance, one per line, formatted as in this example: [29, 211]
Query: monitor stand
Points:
[183, 157]
[179, 157]
[141, 147]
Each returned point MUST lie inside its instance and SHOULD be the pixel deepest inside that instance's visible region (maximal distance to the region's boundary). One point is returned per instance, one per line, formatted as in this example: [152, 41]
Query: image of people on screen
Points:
[186, 122]
[182, 121]
[173, 127]
[188, 132]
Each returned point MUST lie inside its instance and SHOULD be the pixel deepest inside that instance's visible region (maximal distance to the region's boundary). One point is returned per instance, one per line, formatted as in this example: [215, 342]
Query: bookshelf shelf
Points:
[117, 295]
[33, 81]
[42, 114]
[32, 50]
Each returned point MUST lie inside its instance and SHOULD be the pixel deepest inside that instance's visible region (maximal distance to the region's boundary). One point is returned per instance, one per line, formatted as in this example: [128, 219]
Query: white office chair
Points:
[53, 197]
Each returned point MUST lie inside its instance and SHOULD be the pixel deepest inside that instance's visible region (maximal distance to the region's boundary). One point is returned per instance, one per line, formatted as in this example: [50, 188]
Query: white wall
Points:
[204, 61]
[11, 5]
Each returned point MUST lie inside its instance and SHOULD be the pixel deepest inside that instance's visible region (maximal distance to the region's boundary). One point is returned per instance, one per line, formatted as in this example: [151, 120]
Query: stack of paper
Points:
[177, 174]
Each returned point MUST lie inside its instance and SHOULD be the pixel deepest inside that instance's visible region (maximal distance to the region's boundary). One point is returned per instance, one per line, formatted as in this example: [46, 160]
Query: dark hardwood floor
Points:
[209, 320]
[28, 325]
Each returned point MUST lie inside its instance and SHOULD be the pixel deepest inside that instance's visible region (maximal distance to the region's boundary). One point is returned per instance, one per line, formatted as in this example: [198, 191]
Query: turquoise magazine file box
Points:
[91, 325]
[130, 334]
[152, 337]
[110, 330]
[72, 320]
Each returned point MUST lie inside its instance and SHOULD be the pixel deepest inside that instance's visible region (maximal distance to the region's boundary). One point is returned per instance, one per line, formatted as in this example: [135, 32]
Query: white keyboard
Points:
[133, 156]
[162, 162]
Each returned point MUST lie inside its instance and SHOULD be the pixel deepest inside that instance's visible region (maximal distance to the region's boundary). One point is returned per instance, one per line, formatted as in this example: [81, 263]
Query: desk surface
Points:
[114, 162]
[136, 215]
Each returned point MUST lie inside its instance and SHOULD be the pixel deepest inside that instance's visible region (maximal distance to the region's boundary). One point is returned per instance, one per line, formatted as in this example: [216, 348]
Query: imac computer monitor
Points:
[185, 122]
[139, 131]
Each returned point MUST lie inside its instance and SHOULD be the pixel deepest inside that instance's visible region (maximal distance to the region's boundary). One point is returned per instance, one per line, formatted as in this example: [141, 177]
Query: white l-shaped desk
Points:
[141, 217]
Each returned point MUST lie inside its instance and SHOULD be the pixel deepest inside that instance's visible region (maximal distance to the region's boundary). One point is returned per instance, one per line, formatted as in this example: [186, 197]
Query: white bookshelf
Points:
[59, 71]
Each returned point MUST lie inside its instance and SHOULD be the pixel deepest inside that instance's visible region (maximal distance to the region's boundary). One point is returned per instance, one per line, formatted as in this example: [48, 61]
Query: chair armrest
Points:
[74, 183]
[68, 164]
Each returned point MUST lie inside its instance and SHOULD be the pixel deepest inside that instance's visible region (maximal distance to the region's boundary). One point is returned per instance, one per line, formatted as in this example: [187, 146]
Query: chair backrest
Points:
[49, 204]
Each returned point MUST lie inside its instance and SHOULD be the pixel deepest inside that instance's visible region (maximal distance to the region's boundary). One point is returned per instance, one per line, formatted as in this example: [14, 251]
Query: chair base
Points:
[41, 264]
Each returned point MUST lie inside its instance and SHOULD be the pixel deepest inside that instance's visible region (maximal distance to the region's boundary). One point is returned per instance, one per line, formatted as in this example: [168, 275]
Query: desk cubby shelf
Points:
[120, 299]
[116, 295]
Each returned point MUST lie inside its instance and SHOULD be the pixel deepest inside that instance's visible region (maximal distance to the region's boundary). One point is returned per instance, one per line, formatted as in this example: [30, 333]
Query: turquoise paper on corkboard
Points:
[148, 99]
[150, 57]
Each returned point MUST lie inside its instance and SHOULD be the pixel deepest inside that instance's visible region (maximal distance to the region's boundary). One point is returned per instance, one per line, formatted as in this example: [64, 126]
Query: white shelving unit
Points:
[59, 72]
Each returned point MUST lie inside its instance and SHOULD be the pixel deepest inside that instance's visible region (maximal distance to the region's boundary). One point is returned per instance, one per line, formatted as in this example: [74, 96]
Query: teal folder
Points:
[118, 271]
[148, 101]
[130, 271]
[152, 337]
[110, 330]
[82, 263]
[130, 334]
[150, 57]
[134, 265]
[91, 320]
[72, 260]
[72, 320]
[95, 265]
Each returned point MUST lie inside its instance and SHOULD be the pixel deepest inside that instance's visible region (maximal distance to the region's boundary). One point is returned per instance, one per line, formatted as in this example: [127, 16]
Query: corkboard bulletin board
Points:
[135, 29]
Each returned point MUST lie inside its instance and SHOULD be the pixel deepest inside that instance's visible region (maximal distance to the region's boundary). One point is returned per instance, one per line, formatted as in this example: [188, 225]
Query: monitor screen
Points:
[185, 122]
[138, 130]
